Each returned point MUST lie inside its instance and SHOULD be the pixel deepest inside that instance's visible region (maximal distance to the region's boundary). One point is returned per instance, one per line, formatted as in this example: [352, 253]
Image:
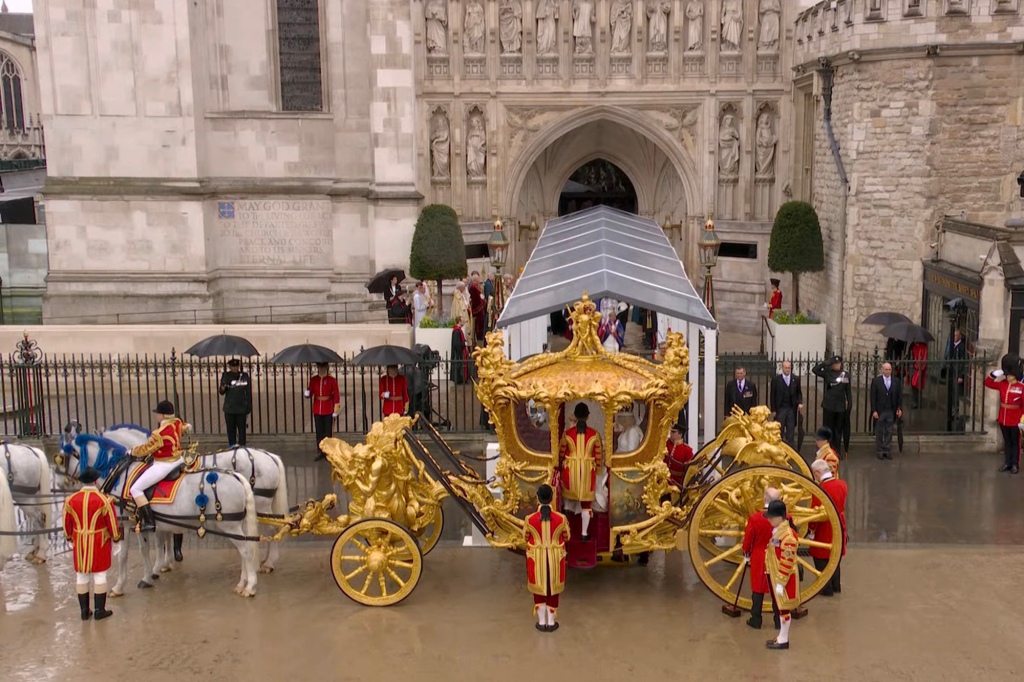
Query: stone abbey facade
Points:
[234, 153]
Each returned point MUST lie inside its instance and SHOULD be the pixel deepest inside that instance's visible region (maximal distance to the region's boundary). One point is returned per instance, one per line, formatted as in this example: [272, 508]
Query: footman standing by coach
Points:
[91, 525]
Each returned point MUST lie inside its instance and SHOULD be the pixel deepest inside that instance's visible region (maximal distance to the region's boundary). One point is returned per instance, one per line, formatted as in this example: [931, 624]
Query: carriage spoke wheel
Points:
[719, 520]
[431, 533]
[376, 562]
[726, 465]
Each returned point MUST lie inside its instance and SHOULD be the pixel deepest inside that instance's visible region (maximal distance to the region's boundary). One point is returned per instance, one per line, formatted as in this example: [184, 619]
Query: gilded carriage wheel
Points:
[376, 562]
[720, 517]
[430, 534]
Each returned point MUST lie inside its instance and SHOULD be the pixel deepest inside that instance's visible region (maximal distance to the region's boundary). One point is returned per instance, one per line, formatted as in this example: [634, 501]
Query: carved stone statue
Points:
[473, 29]
[440, 146]
[770, 11]
[732, 25]
[622, 22]
[695, 25]
[437, 26]
[510, 26]
[476, 148]
[728, 148]
[766, 140]
[657, 25]
[547, 27]
[583, 26]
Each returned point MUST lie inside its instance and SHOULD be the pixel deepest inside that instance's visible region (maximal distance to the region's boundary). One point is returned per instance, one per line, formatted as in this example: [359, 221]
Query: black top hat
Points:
[775, 282]
[824, 433]
[89, 475]
[776, 509]
[234, 362]
[581, 411]
[678, 427]
[545, 494]
[164, 407]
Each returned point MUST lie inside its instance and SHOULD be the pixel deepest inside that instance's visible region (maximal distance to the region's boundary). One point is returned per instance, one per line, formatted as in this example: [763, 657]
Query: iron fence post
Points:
[28, 388]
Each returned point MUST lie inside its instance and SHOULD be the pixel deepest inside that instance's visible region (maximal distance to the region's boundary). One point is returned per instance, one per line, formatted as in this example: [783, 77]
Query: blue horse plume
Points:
[108, 454]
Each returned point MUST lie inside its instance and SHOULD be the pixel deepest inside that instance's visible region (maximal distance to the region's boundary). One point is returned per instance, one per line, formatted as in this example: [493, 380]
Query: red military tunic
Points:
[165, 442]
[580, 457]
[1011, 400]
[829, 455]
[398, 394]
[836, 491]
[324, 393]
[775, 303]
[919, 353]
[780, 564]
[91, 524]
[545, 553]
[679, 455]
[755, 541]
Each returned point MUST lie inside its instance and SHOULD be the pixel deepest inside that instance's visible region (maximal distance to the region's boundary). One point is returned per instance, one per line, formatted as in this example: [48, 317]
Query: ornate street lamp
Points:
[709, 244]
[497, 249]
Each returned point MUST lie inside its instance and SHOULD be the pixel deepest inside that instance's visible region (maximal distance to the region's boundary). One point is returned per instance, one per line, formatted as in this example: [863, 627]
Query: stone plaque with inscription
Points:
[277, 233]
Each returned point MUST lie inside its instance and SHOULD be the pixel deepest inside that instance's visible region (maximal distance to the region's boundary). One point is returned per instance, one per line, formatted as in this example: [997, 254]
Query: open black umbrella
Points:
[223, 344]
[304, 354]
[907, 331]
[383, 356]
[380, 282]
[884, 319]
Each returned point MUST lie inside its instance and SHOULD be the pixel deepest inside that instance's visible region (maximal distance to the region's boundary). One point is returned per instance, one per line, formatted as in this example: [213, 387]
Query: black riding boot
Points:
[83, 603]
[101, 606]
[147, 524]
[178, 537]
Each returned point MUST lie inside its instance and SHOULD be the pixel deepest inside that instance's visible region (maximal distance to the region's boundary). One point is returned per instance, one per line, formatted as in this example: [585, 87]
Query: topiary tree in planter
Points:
[438, 250]
[796, 246]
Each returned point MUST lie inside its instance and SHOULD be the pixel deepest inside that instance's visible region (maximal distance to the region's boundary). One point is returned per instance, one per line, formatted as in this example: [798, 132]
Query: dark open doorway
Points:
[597, 183]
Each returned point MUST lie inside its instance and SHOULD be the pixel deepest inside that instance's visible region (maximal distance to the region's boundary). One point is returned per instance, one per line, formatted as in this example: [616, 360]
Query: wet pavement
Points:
[931, 592]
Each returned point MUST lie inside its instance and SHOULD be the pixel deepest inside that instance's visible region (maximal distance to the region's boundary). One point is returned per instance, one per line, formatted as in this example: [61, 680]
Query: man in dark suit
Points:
[886, 408]
[740, 392]
[787, 400]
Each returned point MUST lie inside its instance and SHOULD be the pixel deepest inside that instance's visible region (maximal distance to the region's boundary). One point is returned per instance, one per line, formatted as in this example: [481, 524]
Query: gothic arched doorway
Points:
[597, 183]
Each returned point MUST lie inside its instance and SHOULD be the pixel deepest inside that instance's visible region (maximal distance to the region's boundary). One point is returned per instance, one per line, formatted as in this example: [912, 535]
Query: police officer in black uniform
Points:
[837, 399]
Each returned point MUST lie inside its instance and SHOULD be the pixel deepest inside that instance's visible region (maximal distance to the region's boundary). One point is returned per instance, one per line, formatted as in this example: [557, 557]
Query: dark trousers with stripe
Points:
[1011, 445]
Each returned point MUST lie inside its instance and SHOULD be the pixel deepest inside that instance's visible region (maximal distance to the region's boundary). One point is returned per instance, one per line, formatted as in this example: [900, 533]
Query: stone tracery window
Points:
[13, 104]
[299, 58]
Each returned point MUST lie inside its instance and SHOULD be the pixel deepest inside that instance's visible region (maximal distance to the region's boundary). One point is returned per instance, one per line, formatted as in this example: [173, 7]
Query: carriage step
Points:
[581, 554]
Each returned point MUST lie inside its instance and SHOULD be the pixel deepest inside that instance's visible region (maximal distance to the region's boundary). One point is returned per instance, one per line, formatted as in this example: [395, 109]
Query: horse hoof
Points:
[165, 569]
[266, 569]
[247, 593]
[143, 585]
[155, 576]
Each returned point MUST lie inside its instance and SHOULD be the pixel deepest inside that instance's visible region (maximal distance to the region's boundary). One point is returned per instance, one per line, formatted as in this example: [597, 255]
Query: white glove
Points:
[386, 394]
[746, 558]
[235, 382]
[779, 590]
[305, 394]
[810, 535]
[336, 414]
[997, 373]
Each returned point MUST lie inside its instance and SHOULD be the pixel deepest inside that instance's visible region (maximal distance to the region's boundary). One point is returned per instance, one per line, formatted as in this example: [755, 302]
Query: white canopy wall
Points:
[612, 254]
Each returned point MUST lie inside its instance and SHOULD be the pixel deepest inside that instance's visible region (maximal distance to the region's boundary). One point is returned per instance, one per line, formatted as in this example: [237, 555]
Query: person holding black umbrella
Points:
[837, 399]
[323, 391]
[236, 387]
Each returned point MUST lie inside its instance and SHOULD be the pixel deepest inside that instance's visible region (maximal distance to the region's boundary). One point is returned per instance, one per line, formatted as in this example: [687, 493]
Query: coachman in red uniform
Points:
[756, 537]
[775, 302]
[1011, 408]
[91, 525]
[678, 456]
[579, 458]
[323, 391]
[546, 533]
[781, 566]
[821, 531]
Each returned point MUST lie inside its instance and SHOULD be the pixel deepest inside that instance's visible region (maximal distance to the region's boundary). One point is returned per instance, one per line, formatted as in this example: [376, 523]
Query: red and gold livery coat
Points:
[775, 303]
[829, 455]
[545, 553]
[91, 525]
[836, 491]
[756, 538]
[1011, 400]
[165, 442]
[679, 455]
[780, 564]
[580, 457]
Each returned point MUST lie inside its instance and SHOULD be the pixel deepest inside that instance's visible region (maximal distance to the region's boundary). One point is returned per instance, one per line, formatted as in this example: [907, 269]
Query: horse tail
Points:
[250, 525]
[45, 489]
[8, 522]
[279, 504]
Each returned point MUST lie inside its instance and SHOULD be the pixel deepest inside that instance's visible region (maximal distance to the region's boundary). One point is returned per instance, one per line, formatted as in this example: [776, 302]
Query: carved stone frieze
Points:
[680, 121]
[523, 123]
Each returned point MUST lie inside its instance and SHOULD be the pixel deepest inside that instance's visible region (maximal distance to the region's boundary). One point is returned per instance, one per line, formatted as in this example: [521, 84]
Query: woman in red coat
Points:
[394, 393]
[91, 525]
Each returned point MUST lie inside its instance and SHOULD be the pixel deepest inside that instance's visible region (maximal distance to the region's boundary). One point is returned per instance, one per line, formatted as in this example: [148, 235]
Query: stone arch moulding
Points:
[644, 197]
[631, 118]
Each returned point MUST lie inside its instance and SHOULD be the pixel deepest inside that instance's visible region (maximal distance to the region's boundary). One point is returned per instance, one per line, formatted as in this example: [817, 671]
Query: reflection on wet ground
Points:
[923, 599]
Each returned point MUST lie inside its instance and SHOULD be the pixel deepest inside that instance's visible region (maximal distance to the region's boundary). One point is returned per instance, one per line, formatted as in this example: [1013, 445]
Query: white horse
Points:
[198, 493]
[27, 473]
[264, 470]
[8, 523]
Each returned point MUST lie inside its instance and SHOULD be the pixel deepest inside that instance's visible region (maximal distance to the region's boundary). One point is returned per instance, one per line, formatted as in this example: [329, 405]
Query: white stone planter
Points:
[803, 341]
[438, 339]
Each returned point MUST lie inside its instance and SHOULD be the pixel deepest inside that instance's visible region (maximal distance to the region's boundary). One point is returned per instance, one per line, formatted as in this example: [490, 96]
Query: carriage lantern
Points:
[497, 246]
[709, 244]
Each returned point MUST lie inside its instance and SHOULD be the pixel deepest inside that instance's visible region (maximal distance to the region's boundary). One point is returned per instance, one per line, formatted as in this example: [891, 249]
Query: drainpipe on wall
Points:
[827, 73]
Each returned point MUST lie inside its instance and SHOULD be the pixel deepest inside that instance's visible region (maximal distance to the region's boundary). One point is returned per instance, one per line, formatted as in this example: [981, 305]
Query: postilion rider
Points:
[546, 533]
[579, 458]
[91, 525]
[164, 446]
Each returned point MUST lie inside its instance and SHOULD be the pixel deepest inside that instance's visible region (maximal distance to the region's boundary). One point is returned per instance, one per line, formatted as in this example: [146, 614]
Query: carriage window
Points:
[533, 426]
[630, 428]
